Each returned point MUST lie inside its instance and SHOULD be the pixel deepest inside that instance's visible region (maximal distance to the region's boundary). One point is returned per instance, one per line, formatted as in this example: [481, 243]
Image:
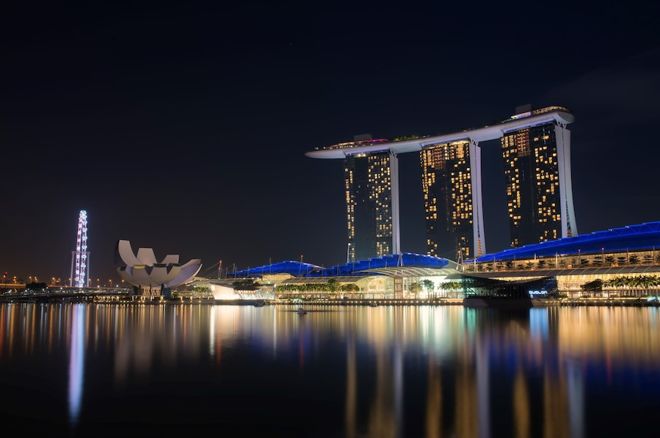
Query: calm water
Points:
[117, 370]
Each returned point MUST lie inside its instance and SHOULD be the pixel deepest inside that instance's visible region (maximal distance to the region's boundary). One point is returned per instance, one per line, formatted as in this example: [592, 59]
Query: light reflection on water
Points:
[384, 371]
[76, 361]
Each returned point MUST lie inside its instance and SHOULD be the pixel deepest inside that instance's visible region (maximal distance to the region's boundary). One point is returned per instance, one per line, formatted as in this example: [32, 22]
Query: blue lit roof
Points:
[298, 269]
[388, 261]
[287, 267]
[630, 238]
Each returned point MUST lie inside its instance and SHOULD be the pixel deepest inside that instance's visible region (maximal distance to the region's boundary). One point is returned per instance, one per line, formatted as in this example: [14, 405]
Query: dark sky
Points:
[184, 127]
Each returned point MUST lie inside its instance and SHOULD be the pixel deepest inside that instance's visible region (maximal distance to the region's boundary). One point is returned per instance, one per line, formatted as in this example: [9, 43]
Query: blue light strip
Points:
[347, 269]
[632, 237]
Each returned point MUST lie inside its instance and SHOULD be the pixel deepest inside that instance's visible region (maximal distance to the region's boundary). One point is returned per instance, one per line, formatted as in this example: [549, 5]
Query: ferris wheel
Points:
[80, 257]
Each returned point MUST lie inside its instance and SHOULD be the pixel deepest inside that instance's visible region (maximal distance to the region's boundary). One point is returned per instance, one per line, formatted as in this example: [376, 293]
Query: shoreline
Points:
[134, 300]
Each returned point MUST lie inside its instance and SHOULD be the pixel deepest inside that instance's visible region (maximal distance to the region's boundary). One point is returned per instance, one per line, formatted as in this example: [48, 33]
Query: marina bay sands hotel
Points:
[537, 171]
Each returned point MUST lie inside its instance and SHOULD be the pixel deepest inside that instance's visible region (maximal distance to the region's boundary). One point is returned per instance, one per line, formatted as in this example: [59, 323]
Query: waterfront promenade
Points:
[123, 297]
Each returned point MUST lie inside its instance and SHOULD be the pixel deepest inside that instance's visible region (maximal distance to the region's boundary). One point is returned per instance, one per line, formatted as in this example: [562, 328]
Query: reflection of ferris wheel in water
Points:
[80, 257]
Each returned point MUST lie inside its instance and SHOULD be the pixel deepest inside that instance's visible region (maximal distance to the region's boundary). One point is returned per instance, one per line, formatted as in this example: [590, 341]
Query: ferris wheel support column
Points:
[73, 259]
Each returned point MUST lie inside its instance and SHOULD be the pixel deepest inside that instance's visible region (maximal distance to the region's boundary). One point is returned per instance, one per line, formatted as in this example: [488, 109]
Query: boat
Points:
[301, 311]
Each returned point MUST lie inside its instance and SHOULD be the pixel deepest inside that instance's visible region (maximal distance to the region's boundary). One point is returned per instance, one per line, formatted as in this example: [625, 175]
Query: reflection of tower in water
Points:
[563, 402]
[472, 397]
[76, 361]
[434, 402]
[351, 389]
[520, 405]
[386, 408]
[560, 405]
[466, 401]
[555, 409]
[385, 414]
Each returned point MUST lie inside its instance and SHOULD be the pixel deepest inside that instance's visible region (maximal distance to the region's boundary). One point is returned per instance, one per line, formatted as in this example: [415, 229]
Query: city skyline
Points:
[359, 219]
[159, 119]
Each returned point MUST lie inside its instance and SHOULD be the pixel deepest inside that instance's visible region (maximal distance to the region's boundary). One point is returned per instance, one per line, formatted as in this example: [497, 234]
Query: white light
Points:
[80, 257]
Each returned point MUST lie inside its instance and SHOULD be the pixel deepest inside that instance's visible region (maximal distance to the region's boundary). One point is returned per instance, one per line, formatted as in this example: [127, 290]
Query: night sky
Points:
[184, 127]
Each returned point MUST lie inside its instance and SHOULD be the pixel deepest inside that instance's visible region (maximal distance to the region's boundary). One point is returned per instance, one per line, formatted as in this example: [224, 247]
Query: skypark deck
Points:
[552, 114]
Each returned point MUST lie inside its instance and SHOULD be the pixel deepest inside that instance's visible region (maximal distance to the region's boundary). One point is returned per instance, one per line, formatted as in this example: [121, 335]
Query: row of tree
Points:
[590, 260]
[636, 282]
[429, 286]
[330, 286]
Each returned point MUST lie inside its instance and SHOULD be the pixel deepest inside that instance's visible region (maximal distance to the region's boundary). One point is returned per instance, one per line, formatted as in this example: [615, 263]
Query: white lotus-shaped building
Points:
[144, 271]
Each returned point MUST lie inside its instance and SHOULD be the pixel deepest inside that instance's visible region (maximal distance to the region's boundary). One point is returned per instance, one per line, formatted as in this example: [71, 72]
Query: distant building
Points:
[367, 183]
[447, 191]
[538, 181]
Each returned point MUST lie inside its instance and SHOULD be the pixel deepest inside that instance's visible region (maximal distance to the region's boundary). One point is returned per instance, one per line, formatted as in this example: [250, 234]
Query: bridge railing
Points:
[572, 262]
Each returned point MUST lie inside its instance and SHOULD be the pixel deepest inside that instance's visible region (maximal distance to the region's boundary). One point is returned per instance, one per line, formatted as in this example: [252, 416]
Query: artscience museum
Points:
[150, 277]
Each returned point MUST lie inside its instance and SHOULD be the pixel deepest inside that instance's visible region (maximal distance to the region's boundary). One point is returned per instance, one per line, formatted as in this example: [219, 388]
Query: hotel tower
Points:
[536, 151]
[447, 190]
[367, 182]
[538, 181]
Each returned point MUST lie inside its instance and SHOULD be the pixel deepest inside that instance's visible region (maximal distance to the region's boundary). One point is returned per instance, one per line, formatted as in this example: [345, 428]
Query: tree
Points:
[350, 287]
[593, 286]
[452, 286]
[201, 289]
[428, 285]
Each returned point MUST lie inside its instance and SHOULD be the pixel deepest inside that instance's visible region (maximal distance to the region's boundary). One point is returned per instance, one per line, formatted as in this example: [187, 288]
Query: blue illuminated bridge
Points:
[639, 237]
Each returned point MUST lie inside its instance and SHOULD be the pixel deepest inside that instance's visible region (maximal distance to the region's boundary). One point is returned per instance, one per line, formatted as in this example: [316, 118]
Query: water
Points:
[191, 370]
